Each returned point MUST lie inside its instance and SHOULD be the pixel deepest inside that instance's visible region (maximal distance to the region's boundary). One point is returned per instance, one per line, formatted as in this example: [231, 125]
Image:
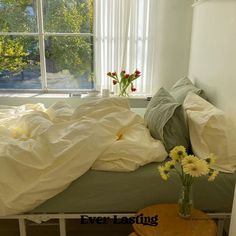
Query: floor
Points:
[74, 228]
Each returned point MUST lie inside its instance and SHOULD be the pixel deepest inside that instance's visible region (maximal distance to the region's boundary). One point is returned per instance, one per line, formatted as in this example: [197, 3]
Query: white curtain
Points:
[125, 36]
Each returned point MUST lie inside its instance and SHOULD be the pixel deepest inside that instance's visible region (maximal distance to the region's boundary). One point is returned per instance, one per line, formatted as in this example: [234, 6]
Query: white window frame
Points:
[41, 37]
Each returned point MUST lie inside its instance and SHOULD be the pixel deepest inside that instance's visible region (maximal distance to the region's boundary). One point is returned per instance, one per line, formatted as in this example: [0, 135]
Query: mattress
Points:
[117, 192]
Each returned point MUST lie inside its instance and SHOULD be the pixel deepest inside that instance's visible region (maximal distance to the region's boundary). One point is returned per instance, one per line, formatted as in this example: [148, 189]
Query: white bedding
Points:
[43, 150]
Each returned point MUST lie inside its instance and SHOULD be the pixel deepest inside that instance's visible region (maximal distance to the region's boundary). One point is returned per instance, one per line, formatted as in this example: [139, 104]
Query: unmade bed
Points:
[98, 159]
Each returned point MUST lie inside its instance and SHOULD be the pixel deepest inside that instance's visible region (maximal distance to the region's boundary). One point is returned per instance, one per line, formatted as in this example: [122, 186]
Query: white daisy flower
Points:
[191, 159]
[213, 175]
[211, 159]
[170, 164]
[164, 172]
[197, 169]
[177, 153]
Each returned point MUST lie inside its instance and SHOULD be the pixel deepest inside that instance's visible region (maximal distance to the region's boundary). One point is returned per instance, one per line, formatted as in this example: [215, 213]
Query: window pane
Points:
[18, 16]
[70, 16]
[19, 63]
[69, 62]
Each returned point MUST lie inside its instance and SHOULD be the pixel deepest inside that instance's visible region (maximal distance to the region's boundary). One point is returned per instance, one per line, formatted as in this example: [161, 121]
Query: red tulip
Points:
[133, 89]
[114, 73]
[127, 76]
[137, 75]
[114, 82]
[137, 72]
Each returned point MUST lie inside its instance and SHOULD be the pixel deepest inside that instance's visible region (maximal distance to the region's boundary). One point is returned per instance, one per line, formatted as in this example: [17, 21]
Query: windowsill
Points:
[16, 99]
[34, 95]
[61, 95]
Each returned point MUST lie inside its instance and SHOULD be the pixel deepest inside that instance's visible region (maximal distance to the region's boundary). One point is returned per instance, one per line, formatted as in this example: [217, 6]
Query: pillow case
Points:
[164, 118]
[208, 130]
[182, 87]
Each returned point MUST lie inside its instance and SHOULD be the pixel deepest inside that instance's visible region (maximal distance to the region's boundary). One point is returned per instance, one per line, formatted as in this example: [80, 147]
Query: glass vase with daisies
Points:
[125, 81]
[188, 168]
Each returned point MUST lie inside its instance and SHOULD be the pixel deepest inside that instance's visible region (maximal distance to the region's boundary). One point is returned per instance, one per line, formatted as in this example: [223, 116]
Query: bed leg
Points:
[220, 227]
[22, 227]
[62, 224]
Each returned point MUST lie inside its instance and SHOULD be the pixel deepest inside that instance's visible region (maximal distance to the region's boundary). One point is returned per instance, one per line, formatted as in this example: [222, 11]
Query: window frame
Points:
[41, 34]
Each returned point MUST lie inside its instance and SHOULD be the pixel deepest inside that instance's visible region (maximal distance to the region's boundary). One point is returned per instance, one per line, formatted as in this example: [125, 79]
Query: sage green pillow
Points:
[182, 87]
[164, 118]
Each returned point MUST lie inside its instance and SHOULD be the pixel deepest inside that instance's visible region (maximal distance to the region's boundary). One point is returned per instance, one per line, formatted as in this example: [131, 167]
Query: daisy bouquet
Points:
[188, 167]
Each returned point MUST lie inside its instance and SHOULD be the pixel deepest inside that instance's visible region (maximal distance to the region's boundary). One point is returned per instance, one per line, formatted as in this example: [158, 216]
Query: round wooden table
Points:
[171, 224]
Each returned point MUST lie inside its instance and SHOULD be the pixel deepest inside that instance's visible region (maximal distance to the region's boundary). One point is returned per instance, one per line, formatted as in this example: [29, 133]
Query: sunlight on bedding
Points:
[43, 150]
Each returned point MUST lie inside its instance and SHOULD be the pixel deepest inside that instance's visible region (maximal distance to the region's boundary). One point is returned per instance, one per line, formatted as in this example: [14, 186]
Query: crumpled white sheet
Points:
[43, 150]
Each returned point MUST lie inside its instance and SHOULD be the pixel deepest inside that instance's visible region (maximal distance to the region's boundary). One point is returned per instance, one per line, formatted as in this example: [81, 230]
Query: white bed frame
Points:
[39, 218]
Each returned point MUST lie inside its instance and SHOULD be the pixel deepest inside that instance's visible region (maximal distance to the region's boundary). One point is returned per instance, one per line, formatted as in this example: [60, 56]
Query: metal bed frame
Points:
[39, 218]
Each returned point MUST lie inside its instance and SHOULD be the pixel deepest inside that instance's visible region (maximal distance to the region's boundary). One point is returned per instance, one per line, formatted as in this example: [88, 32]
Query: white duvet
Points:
[43, 150]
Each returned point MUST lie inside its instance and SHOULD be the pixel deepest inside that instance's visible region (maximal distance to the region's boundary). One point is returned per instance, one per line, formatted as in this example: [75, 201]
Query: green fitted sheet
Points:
[101, 191]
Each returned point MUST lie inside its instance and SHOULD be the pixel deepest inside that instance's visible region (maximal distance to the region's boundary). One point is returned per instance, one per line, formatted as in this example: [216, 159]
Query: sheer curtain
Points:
[125, 37]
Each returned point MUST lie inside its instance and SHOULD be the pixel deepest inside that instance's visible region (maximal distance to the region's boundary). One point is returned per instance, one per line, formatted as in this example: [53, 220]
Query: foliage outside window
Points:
[64, 61]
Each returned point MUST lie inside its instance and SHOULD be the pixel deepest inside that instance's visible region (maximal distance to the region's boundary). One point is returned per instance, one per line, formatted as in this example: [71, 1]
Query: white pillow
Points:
[209, 132]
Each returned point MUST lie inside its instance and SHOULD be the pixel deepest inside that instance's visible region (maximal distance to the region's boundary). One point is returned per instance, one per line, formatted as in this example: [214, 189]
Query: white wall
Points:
[213, 52]
[174, 38]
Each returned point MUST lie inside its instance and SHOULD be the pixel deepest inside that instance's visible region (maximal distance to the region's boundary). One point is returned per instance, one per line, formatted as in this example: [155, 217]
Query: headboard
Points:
[213, 52]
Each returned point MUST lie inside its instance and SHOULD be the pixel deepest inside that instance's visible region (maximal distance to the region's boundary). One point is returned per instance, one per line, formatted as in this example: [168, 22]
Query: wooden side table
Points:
[171, 224]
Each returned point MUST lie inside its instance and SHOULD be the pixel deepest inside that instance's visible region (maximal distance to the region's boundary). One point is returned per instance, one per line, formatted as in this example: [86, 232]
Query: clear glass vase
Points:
[123, 93]
[185, 202]
[123, 90]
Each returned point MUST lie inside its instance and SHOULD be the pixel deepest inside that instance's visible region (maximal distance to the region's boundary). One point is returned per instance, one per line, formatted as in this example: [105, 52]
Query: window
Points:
[125, 39]
[46, 45]
[49, 45]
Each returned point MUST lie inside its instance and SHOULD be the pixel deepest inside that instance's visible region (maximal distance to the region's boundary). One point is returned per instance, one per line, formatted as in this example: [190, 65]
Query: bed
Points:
[107, 192]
